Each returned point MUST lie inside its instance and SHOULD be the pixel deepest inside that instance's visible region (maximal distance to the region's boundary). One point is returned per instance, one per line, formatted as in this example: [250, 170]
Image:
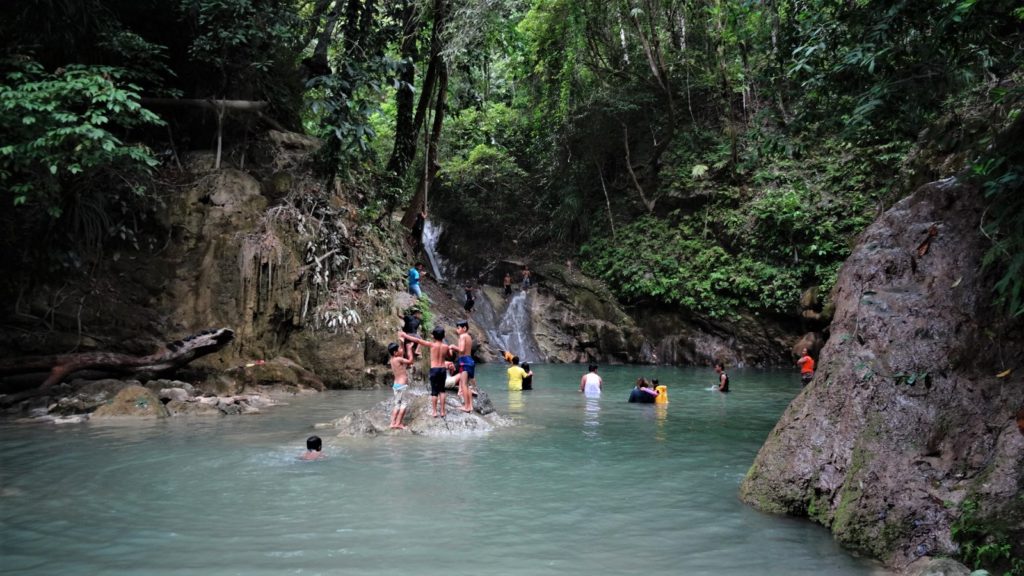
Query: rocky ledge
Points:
[244, 389]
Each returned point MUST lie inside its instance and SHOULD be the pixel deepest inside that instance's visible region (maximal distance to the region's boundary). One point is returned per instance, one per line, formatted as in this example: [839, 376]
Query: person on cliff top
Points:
[399, 369]
[723, 378]
[806, 364]
[414, 279]
[438, 351]
[528, 378]
[590, 383]
[516, 374]
[467, 367]
[527, 278]
[412, 323]
[470, 299]
[314, 445]
[507, 283]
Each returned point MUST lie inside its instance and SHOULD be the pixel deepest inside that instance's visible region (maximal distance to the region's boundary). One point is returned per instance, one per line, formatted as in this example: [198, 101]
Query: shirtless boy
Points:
[438, 351]
[399, 368]
[467, 368]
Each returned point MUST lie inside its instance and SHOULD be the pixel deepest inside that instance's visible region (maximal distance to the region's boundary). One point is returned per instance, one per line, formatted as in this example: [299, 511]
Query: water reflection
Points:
[515, 402]
[590, 417]
[660, 415]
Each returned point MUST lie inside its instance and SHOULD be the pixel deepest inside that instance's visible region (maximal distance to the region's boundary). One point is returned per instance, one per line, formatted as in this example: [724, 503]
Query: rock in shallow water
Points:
[418, 420]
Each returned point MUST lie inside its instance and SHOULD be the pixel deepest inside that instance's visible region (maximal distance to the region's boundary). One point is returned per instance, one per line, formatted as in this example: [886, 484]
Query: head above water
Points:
[515, 360]
[654, 381]
[592, 368]
[314, 443]
[393, 348]
[437, 333]
[719, 366]
[526, 366]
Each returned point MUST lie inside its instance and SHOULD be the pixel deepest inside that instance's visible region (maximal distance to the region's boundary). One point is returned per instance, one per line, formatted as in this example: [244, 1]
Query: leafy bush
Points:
[63, 162]
[651, 259]
[60, 131]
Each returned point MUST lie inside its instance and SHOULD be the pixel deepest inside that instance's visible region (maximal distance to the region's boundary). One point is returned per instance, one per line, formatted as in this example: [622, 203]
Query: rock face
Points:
[577, 319]
[906, 419]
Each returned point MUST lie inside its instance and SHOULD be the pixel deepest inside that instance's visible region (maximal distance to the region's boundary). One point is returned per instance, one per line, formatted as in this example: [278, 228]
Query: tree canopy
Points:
[715, 155]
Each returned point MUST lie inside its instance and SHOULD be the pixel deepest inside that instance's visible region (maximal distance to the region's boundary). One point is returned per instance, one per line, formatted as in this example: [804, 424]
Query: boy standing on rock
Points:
[438, 351]
[467, 368]
[399, 369]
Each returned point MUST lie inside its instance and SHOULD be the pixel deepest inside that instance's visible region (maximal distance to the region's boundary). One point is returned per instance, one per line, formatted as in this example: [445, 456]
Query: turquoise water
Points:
[579, 487]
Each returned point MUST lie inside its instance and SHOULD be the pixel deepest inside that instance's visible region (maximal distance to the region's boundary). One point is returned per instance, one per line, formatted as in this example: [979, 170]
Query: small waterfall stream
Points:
[513, 331]
[431, 234]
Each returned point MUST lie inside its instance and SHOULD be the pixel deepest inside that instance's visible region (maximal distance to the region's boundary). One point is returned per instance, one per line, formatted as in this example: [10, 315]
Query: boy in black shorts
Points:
[438, 352]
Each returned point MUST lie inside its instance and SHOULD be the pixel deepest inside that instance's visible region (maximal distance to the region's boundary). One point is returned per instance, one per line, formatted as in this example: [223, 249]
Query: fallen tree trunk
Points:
[174, 355]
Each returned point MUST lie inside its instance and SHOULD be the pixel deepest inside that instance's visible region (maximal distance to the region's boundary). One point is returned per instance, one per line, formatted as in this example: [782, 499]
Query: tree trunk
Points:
[177, 354]
[405, 100]
[436, 71]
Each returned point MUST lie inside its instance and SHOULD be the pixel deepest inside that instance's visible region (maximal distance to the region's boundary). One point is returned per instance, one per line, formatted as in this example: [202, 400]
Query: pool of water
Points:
[578, 487]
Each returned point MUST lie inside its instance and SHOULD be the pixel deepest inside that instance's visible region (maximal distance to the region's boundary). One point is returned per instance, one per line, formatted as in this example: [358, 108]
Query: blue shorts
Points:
[467, 365]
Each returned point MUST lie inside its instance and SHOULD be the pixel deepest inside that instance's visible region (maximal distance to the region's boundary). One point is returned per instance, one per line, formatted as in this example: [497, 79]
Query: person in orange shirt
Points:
[806, 364]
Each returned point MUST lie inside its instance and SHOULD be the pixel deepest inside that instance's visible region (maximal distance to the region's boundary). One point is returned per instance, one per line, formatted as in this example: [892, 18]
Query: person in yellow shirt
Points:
[515, 375]
[662, 390]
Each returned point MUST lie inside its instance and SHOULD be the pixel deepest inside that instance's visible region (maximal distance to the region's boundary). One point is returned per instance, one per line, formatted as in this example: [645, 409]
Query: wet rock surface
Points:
[242, 390]
[418, 419]
[910, 413]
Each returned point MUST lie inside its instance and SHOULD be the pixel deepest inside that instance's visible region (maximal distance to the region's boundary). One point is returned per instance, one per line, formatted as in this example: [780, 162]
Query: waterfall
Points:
[513, 331]
[431, 234]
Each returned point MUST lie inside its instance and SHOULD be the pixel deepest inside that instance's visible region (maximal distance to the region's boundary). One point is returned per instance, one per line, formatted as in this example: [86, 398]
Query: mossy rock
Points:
[134, 401]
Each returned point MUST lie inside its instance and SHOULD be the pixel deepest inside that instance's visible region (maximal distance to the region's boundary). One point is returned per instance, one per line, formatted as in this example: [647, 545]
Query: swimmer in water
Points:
[313, 449]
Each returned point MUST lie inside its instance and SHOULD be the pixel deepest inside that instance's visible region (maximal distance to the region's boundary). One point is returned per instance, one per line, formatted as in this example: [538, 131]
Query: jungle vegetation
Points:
[713, 155]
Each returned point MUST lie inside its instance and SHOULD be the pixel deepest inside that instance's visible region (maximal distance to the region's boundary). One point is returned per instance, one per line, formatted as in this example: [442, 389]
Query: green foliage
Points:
[983, 545]
[482, 192]
[675, 264]
[60, 134]
[240, 40]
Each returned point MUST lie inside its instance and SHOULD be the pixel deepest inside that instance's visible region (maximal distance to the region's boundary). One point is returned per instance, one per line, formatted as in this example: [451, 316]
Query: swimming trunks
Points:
[437, 376]
[399, 390]
[467, 365]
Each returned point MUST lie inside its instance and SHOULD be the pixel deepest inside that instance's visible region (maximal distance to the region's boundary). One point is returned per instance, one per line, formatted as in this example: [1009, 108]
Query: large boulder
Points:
[909, 423]
[133, 401]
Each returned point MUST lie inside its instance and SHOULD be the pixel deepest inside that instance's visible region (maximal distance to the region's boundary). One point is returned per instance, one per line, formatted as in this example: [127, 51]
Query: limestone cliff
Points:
[266, 247]
[908, 427]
